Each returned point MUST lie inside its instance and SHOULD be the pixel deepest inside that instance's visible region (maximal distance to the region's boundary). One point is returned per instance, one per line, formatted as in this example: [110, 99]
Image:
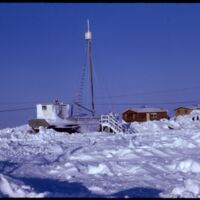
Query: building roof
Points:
[190, 107]
[147, 110]
[50, 104]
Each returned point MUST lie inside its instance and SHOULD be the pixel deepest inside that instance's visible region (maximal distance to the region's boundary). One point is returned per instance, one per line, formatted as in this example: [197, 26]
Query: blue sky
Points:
[143, 54]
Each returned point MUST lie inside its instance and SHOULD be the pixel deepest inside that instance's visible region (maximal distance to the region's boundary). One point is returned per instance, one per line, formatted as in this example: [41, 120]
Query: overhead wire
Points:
[17, 109]
[122, 103]
[150, 92]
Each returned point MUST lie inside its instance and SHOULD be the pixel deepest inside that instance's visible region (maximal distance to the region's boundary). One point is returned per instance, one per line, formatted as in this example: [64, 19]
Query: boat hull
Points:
[74, 125]
[35, 124]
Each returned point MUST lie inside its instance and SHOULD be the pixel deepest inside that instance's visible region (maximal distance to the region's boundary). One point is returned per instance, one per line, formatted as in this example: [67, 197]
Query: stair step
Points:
[110, 121]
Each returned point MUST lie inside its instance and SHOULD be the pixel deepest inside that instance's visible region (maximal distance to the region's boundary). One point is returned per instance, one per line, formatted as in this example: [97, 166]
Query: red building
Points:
[144, 114]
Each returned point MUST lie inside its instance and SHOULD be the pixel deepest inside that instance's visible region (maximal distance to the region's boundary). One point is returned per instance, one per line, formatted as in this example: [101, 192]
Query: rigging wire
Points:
[104, 87]
[79, 96]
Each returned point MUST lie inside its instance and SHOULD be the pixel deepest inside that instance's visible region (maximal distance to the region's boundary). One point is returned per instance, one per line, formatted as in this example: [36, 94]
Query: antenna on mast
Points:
[88, 38]
[88, 25]
[88, 34]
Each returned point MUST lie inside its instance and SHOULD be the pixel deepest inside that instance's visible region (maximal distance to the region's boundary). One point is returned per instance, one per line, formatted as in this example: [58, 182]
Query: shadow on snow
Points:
[7, 167]
[138, 192]
[57, 188]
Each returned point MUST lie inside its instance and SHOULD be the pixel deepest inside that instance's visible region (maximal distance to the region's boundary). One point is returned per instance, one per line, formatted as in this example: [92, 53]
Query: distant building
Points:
[185, 110]
[144, 114]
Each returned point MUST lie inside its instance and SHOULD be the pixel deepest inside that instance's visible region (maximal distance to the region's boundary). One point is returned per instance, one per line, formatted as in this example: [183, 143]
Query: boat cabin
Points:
[53, 111]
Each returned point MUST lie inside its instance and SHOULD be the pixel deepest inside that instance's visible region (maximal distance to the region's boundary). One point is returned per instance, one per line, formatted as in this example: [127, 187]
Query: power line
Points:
[149, 103]
[15, 103]
[150, 92]
[115, 104]
[17, 109]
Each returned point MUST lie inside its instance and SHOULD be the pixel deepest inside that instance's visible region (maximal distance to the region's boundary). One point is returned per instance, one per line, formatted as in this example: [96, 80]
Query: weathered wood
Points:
[133, 116]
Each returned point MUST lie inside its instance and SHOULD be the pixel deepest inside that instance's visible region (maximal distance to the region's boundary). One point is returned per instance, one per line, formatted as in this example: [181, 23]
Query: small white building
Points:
[57, 110]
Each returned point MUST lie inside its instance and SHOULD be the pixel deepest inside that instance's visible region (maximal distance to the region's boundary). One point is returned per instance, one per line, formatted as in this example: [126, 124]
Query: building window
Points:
[153, 115]
[44, 107]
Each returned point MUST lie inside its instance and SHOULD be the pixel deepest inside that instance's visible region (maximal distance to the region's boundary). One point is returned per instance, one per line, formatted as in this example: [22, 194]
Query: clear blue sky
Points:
[142, 54]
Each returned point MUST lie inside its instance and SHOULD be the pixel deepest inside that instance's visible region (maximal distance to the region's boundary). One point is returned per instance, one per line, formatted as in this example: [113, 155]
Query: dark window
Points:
[44, 107]
[153, 115]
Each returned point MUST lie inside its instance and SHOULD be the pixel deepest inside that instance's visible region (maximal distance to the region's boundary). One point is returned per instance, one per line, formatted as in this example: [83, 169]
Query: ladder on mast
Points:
[88, 38]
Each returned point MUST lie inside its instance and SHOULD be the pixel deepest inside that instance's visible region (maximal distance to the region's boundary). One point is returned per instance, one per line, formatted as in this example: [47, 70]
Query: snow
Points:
[13, 190]
[160, 160]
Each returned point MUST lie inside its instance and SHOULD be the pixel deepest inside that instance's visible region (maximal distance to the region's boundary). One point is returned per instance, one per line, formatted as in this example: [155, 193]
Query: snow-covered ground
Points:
[161, 160]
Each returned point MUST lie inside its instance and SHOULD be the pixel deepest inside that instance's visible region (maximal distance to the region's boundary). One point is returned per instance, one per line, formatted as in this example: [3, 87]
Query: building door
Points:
[148, 116]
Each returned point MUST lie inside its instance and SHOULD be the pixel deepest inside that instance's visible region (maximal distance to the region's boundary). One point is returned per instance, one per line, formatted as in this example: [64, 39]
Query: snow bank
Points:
[189, 189]
[175, 123]
[188, 165]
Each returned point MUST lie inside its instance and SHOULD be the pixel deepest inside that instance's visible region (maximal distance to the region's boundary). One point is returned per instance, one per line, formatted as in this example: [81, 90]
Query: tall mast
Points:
[88, 38]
